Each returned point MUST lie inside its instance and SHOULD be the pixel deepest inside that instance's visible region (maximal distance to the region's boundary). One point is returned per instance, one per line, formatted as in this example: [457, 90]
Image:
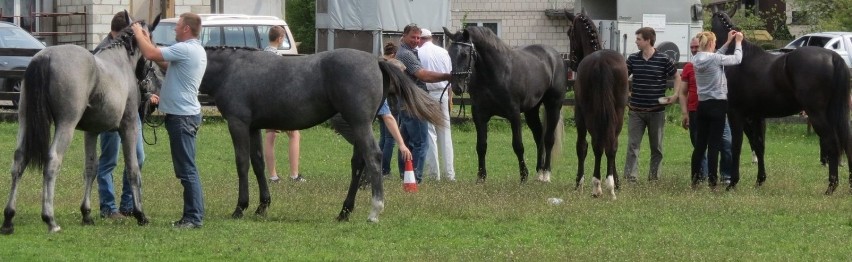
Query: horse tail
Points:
[599, 96]
[34, 132]
[839, 105]
[416, 101]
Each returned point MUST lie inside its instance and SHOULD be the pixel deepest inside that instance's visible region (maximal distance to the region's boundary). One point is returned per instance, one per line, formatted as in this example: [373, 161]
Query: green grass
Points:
[787, 219]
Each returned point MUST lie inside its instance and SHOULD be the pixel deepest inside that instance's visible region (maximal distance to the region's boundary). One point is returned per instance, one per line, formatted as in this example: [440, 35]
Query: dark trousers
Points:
[710, 125]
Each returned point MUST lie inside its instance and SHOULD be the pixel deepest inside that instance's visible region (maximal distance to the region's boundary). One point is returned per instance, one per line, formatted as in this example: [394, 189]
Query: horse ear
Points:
[465, 36]
[449, 35]
[155, 23]
[569, 15]
[127, 17]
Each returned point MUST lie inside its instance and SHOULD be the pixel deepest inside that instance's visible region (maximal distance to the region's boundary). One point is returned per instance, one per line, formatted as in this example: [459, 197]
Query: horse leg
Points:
[611, 148]
[366, 150]
[90, 172]
[18, 166]
[357, 170]
[480, 122]
[755, 129]
[582, 146]
[736, 123]
[257, 164]
[553, 133]
[129, 146]
[518, 146]
[240, 138]
[596, 180]
[62, 138]
[534, 122]
[828, 144]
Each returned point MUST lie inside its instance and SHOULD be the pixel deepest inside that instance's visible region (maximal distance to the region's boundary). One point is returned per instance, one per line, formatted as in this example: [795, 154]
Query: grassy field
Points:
[787, 219]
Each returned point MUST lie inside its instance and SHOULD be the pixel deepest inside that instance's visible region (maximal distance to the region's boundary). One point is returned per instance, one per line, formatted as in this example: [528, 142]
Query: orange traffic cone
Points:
[409, 183]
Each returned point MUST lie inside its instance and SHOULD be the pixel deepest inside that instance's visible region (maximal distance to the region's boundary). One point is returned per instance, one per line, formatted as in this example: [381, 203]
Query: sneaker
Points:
[298, 178]
[274, 179]
[181, 224]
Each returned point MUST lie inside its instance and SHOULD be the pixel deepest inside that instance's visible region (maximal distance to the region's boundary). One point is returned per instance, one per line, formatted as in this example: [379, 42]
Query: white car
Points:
[231, 30]
[839, 42]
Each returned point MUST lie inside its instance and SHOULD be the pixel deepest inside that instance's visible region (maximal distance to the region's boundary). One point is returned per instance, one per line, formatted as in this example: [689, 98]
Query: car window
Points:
[798, 43]
[240, 36]
[211, 36]
[164, 34]
[263, 32]
[818, 41]
[834, 44]
[12, 37]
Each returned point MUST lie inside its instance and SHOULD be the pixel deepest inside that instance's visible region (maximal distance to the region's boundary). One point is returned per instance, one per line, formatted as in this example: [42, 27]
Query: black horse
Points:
[764, 85]
[292, 93]
[601, 94]
[507, 82]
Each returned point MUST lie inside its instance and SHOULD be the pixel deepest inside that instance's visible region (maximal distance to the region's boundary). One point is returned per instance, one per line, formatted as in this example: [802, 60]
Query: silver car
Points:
[839, 42]
[17, 48]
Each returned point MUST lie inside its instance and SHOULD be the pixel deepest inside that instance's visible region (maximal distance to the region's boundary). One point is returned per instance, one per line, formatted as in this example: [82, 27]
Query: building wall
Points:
[519, 22]
[90, 29]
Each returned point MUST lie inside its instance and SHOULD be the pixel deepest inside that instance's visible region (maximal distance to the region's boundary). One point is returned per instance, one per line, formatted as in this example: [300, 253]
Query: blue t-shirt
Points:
[187, 62]
[384, 109]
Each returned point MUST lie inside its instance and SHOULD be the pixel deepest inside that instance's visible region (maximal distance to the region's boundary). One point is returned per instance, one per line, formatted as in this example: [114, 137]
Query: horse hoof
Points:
[342, 218]
[372, 220]
[7, 230]
[142, 220]
[88, 222]
[830, 190]
[237, 214]
[480, 180]
[731, 187]
[261, 211]
[55, 229]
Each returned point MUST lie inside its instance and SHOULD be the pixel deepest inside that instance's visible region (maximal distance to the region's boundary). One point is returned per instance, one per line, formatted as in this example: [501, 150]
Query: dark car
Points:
[17, 48]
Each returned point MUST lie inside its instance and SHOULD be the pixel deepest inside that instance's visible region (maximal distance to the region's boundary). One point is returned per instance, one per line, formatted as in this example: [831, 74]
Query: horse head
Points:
[463, 55]
[721, 25]
[583, 37]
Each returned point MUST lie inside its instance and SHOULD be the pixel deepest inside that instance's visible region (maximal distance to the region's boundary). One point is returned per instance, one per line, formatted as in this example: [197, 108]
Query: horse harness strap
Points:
[470, 63]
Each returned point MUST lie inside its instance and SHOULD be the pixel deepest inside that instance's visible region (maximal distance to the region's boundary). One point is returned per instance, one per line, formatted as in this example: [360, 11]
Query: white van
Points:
[231, 30]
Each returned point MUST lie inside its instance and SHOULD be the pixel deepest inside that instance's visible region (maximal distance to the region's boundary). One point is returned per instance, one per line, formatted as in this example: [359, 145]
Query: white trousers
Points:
[440, 143]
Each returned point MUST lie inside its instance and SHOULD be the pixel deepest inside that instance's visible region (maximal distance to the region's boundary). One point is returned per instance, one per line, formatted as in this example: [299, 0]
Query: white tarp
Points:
[255, 7]
[386, 15]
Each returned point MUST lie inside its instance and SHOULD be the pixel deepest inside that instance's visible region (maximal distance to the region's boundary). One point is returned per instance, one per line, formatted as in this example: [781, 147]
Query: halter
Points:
[470, 65]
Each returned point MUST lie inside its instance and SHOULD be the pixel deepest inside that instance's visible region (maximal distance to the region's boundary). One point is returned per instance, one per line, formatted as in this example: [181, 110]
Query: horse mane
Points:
[223, 47]
[722, 21]
[125, 39]
[582, 44]
[484, 39]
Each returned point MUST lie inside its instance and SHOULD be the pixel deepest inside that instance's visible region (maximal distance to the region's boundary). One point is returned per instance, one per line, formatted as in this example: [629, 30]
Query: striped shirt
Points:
[408, 56]
[649, 80]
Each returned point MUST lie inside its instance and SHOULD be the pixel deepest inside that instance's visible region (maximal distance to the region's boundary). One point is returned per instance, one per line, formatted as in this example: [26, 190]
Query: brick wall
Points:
[520, 22]
[96, 23]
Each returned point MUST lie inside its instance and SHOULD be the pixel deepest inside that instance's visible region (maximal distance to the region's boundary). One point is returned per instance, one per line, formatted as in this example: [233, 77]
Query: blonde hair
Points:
[704, 39]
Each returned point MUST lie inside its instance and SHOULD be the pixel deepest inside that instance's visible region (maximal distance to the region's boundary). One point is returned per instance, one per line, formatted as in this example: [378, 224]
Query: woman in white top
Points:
[712, 100]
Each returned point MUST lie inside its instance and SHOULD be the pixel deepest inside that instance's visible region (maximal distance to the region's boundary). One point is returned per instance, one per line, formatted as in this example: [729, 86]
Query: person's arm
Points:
[390, 123]
[148, 49]
[737, 57]
[682, 94]
[431, 76]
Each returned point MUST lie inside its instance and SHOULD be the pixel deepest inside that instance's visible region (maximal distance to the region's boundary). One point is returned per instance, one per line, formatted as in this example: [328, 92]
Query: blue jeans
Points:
[386, 144]
[414, 133]
[182, 131]
[110, 146]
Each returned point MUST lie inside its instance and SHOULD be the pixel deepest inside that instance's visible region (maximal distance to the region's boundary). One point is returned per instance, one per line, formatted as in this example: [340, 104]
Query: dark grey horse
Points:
[507, 82]
[292, 93]
[69, 87]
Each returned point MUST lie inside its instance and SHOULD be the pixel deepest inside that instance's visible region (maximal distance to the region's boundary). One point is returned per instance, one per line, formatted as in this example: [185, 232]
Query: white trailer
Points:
[675, 22]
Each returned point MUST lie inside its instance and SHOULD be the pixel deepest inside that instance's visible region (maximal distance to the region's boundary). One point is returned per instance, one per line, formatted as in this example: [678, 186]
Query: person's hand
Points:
[406, 154]
[731, 34]
[155, 99]
[137, 28]
[739, 37]
[684, 121]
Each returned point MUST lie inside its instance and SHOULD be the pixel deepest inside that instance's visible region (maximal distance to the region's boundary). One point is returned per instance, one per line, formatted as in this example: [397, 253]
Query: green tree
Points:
[300, 16]
[827, 15]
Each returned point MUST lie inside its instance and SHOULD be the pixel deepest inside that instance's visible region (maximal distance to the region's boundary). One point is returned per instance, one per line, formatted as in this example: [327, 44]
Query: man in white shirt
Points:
[434, 58]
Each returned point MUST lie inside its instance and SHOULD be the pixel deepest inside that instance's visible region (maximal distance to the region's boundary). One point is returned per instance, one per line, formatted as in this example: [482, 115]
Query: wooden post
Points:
[168, 8]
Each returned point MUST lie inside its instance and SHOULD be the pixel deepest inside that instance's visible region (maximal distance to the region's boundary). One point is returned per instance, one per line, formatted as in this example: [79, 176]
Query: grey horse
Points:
[69, 87]
[292, 93]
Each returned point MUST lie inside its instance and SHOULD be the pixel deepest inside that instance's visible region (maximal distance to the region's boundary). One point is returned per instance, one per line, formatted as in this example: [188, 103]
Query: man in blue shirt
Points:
[185, 62]
[415, 131]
